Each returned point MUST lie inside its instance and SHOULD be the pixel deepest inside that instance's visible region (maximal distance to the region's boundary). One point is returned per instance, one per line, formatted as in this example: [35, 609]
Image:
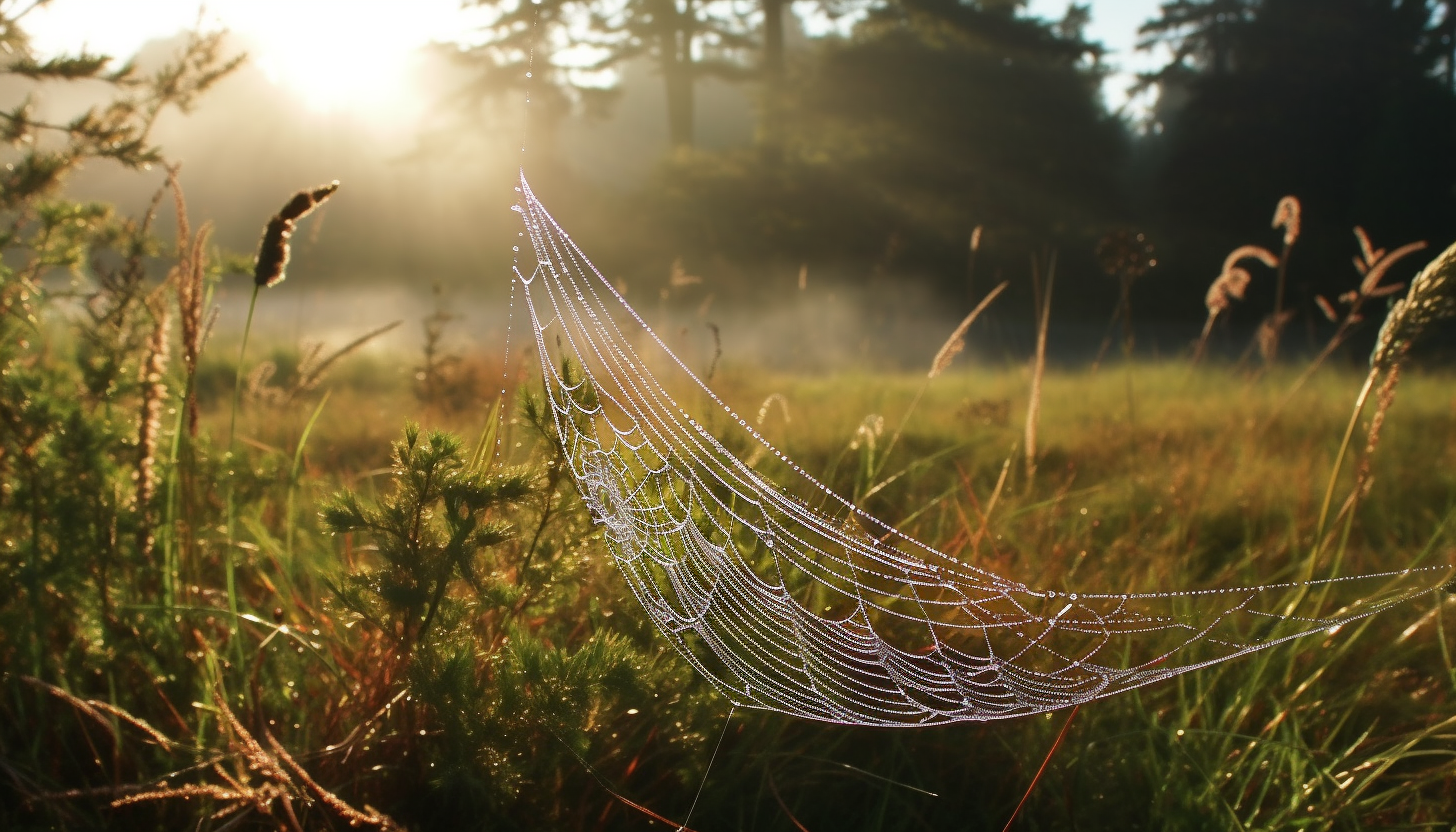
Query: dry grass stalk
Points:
[312, 371]
[149, 428]
[679, 278]
[274, 250]
[340, 806]
[1038, 369]
[189, 274]
[1230, 285]
[1286, 216]
[783, 404]
[948, 351]
[1373, 264]
[1267, 338]
[717, 350]
[313, 367]
[1384, 398]
[1432, 297]
[975, 247]
[957, 340]
[96, 708]
[282, 774]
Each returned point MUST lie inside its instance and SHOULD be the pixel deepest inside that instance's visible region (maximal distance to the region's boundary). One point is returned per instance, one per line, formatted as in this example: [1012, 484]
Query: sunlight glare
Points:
[333, 55]
[339, 55]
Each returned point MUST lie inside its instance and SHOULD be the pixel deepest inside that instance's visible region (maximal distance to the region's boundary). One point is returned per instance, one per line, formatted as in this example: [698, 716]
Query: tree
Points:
[1336, 101]
[973, 112]
[1201, 33]
[576, 43]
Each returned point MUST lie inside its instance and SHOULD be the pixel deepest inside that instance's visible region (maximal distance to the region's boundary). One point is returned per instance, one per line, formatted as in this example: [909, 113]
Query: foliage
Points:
[444, 643]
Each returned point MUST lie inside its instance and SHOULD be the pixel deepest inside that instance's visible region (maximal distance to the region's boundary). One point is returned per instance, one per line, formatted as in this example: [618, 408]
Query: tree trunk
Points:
[772, 130]
[675, 54]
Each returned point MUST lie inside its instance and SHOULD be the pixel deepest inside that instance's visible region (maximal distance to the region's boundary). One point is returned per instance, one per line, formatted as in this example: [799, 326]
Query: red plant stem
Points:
[1039, 772]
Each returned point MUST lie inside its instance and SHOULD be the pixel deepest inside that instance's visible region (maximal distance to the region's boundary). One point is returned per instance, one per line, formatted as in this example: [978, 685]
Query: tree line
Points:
[882, 149]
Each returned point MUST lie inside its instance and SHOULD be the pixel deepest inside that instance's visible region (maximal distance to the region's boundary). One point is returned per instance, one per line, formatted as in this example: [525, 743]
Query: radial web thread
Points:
[824, 612]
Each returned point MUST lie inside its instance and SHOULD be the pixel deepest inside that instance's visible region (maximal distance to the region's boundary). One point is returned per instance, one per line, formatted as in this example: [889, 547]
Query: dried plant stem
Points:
[953, 345]
[1062, 735]
[1202, 346]
[1038, 369]
[1277, 321]
[148, 432]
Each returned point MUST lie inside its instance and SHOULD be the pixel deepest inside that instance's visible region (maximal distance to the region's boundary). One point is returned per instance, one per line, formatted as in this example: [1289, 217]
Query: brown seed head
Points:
[1286, 216]
[1432, 298]
[1229, 287]
[273, 251]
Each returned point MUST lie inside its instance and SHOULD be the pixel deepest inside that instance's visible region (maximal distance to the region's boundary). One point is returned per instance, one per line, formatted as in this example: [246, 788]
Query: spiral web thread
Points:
[786, 608]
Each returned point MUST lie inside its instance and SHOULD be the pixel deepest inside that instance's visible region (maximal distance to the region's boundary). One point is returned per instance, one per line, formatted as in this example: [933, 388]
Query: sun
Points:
[337, 55]
[333, 55]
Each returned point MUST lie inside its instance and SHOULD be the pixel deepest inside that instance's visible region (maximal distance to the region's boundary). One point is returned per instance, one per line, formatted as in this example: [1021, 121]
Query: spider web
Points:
[837, 616]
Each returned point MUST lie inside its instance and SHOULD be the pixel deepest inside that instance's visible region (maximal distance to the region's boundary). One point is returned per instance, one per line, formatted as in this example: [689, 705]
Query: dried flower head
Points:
[763, 409]
[1370, 285]
[868, 431]
[273, 251]
[1125, 254]
[1267, 337]
[976, 239]
[1327, 308]
[957, 340]
[1432, 298]
[149, 427]
[1229, 286]
[1286, 216]
[679, 277]
[1368, 253]
[1263, 255]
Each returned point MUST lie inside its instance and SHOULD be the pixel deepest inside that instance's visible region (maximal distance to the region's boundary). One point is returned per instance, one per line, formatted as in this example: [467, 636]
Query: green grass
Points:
[534, 689]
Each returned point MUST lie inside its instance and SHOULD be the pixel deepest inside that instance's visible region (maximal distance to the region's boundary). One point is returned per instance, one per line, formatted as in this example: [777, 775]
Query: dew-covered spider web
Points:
[820, 610]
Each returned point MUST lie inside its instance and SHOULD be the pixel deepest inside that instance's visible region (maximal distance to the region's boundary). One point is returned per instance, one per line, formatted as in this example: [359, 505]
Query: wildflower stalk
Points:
[943, 358]
[1229, 286]
[1038, 369]
[1287, 217]
[269, 270]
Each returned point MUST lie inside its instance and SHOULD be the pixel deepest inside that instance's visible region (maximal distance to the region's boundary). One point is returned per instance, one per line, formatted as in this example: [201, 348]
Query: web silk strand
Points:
[827, 613]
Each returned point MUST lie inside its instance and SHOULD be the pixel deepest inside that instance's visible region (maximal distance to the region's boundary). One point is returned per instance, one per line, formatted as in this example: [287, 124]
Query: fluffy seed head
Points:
[1229, 287]
[1432, 298]
[1286, 216]
[273, 251]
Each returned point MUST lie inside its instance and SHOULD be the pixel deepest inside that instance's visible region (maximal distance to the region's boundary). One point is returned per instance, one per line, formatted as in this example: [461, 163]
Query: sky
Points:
[335, 55]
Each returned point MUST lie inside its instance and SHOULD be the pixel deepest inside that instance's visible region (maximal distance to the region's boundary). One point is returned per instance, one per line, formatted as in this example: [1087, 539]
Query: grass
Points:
[537, 694]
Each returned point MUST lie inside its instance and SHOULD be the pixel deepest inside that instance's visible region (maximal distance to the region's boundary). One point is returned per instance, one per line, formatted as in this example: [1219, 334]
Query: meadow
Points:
[338, 618]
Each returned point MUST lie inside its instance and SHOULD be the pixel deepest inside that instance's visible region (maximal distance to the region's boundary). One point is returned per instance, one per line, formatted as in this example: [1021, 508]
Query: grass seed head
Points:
[1229, 287]
[1287, 216]
[273, 251]
[1432, 298]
